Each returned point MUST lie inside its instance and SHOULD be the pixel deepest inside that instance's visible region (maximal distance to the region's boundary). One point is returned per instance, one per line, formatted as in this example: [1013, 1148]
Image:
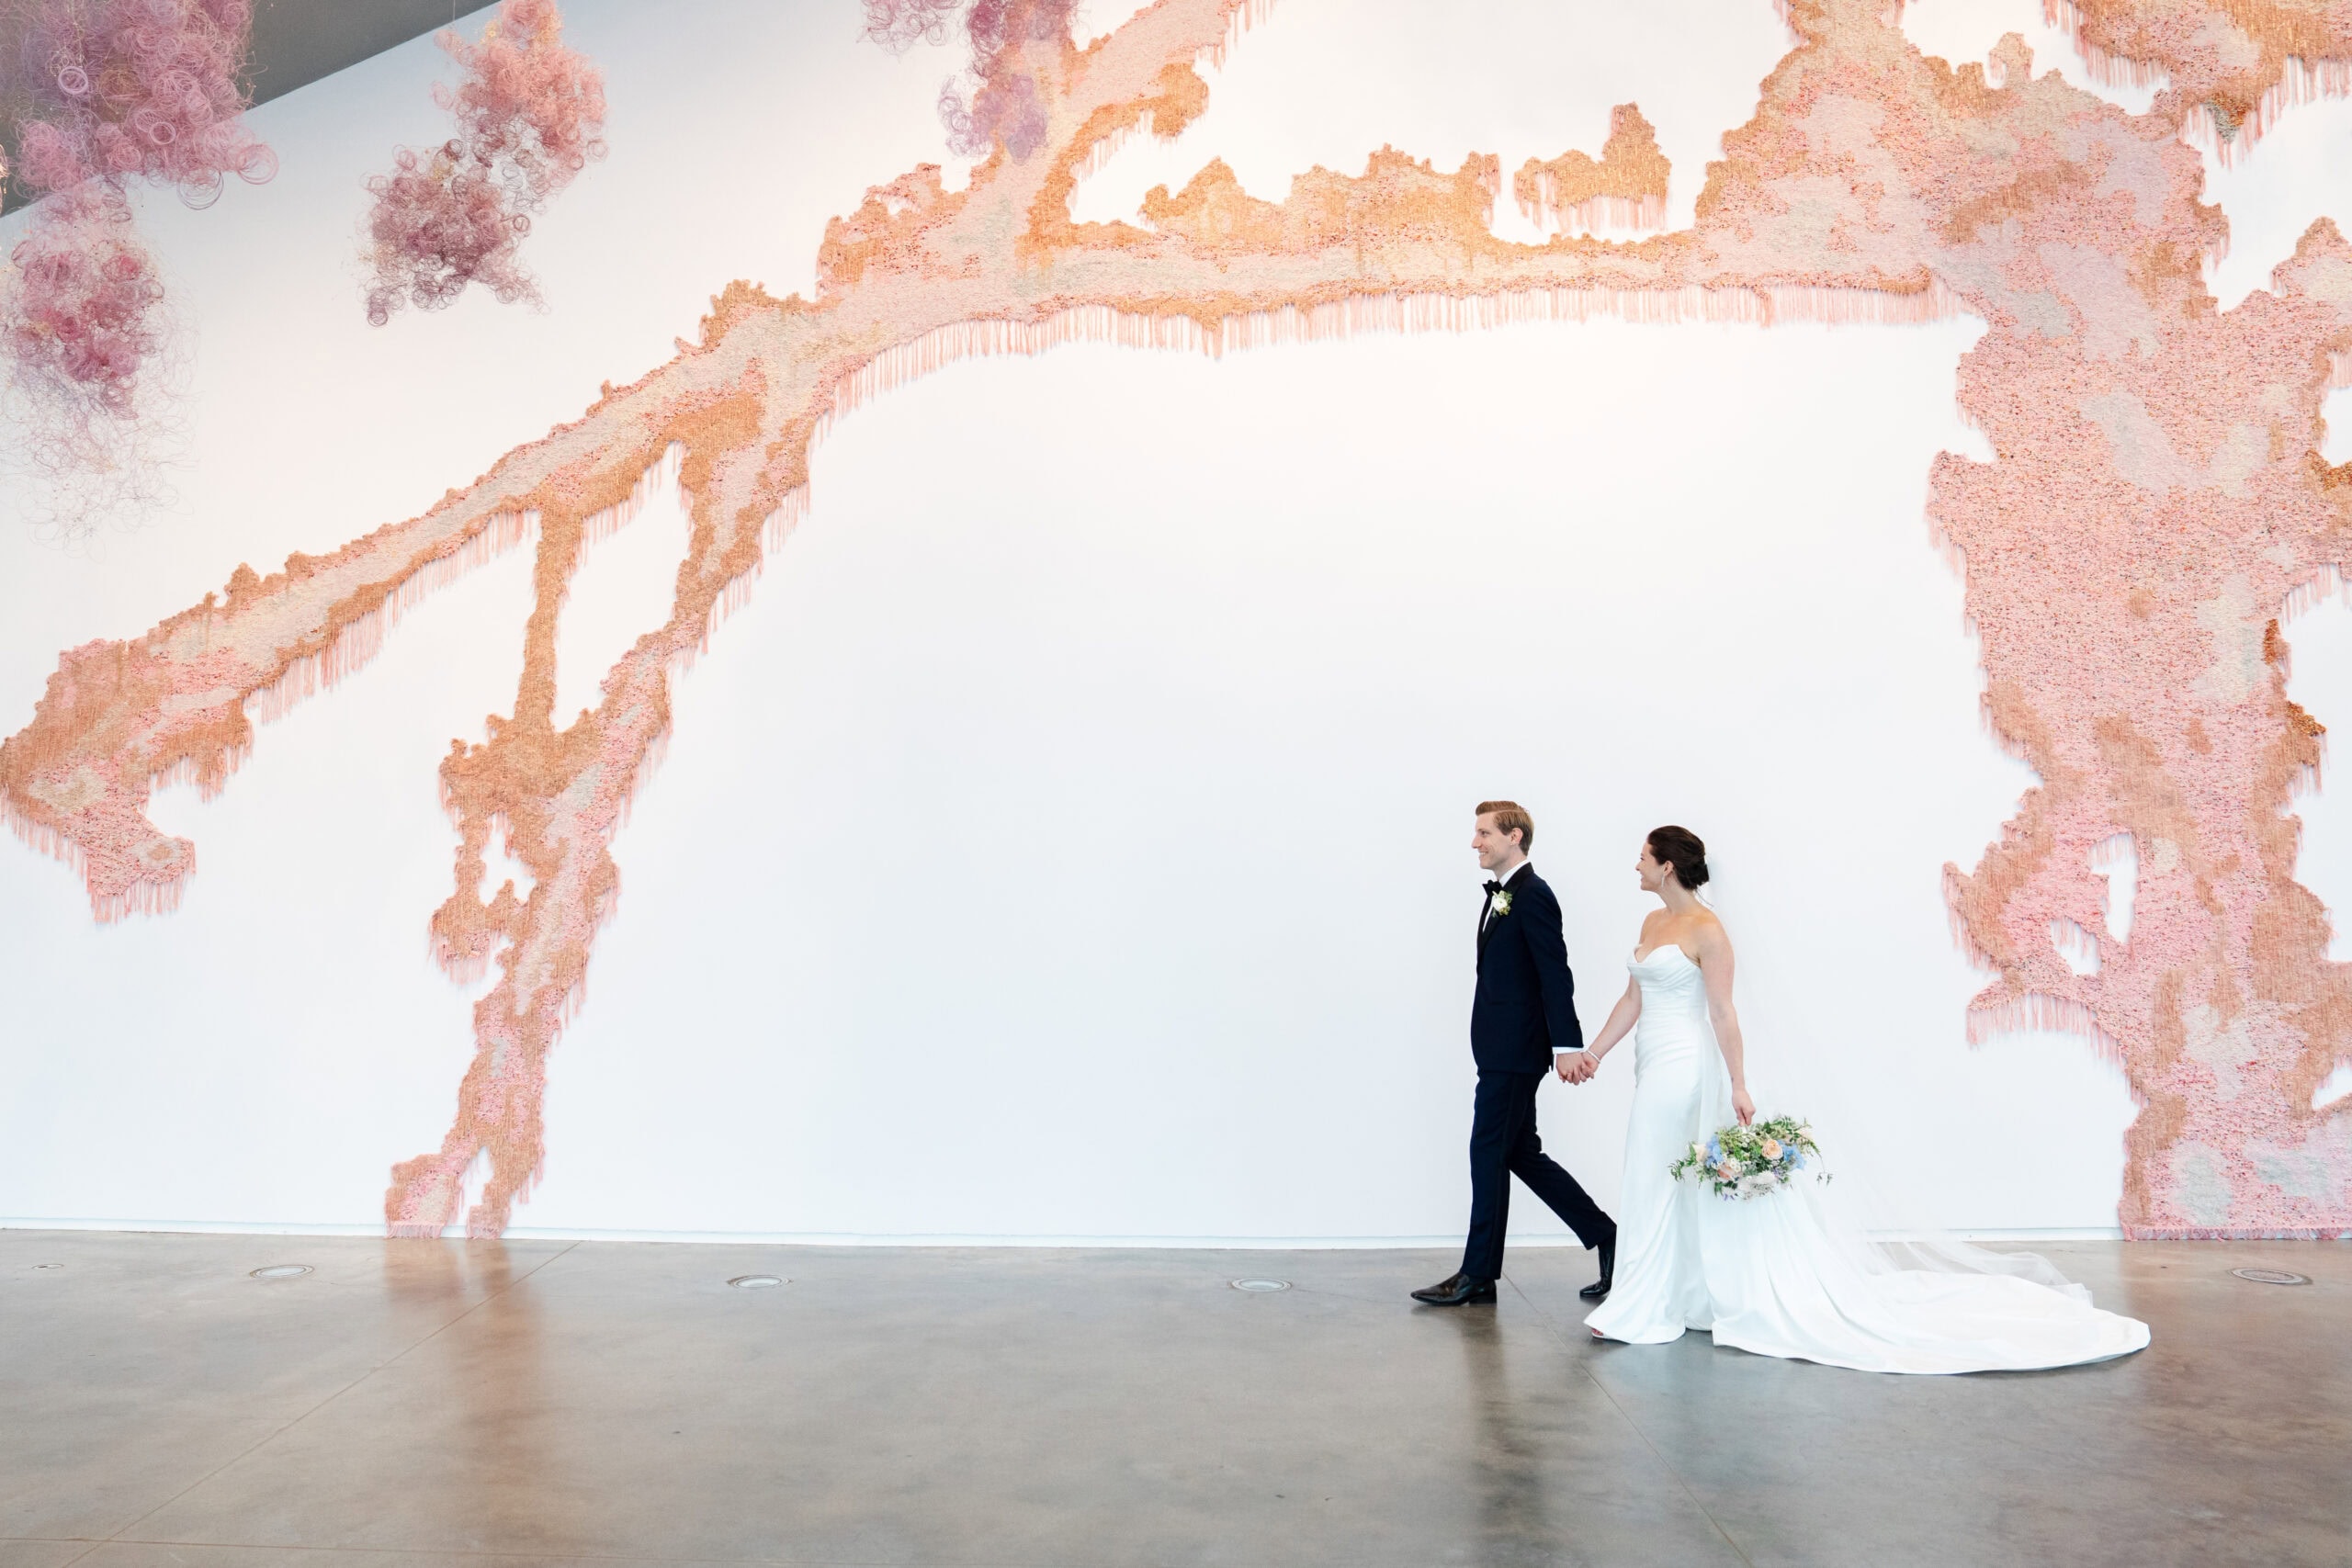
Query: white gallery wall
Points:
[1069, 840]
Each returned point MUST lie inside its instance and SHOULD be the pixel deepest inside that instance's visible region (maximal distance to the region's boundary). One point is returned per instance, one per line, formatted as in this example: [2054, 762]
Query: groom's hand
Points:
[1574, 1067]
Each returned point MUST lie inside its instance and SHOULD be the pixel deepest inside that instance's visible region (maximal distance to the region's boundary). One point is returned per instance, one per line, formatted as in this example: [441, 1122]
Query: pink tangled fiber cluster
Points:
[141, 89]
[80, 322]
[1005, 106]
[120, 90]
[527, 113]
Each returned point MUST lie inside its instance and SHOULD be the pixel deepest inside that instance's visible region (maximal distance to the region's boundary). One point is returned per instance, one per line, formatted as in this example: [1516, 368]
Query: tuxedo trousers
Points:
[1503, 1144]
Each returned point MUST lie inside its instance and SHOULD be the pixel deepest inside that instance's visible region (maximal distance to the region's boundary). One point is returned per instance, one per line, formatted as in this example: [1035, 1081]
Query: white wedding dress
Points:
[1772, 1274]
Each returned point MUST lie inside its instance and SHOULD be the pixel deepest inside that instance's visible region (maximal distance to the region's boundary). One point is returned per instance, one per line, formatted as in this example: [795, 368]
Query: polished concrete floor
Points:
[540, 1402]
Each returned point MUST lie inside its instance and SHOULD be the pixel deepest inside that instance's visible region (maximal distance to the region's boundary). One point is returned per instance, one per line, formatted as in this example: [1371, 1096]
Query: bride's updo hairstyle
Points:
[1684, 850]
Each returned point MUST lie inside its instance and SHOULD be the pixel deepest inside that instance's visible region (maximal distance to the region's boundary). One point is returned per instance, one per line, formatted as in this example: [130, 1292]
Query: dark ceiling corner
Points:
[296, 42]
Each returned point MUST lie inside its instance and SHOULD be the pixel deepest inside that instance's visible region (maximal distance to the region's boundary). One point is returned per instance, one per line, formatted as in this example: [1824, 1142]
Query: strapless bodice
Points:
[1673, 1005]
[1669, 981]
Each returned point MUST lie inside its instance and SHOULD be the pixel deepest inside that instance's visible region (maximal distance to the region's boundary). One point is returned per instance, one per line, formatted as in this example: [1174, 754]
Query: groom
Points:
[1525, 1014]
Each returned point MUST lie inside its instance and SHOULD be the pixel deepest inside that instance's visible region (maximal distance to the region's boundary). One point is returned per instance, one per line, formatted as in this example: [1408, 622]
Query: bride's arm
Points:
[1622, 1019]
[1715, 964]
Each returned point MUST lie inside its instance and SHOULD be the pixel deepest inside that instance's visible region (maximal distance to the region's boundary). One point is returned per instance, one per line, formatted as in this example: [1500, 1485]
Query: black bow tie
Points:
[1493, 889]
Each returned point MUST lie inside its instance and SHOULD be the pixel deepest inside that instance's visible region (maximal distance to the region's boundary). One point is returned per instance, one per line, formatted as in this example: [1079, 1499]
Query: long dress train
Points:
[1769, 1274]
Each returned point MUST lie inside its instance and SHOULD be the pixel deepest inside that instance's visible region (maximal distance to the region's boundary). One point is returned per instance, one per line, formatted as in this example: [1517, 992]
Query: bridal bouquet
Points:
[1748, 1162]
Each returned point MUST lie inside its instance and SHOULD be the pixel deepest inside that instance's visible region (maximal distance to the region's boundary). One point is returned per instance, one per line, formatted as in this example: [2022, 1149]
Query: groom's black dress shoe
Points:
[1460, 1291]
[1600, 1288]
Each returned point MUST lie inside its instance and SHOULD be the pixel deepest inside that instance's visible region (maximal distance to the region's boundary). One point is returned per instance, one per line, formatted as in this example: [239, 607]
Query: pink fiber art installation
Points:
[122, 90]
[528, 113]
[896, 24]
[1005, 106]
[2155, 500]
[141, 89]
[80, 325]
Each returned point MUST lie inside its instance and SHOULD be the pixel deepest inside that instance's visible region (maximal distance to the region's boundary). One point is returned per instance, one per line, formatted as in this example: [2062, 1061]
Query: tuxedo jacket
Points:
[1526, 1006]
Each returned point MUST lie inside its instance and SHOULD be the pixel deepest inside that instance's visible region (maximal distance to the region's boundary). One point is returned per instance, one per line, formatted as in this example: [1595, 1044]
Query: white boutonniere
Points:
[1502, 903]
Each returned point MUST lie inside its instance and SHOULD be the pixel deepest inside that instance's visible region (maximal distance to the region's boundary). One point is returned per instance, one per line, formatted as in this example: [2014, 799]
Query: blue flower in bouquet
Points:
[1752, 1160]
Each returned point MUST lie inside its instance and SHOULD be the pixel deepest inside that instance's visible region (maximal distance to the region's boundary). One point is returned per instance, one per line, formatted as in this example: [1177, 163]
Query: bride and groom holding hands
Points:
[1772, 1274]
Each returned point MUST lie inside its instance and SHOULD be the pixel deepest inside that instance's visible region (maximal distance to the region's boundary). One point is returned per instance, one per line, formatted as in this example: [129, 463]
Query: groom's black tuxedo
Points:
[1526, 1005]
[1524, 1011]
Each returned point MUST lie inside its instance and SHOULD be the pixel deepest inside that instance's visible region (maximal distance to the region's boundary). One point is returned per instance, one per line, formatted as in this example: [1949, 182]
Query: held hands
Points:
[1576, 1066]
[1743, 1107]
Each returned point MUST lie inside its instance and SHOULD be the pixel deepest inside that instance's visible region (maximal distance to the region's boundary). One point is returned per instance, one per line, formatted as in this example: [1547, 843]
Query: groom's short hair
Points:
[1509, 816]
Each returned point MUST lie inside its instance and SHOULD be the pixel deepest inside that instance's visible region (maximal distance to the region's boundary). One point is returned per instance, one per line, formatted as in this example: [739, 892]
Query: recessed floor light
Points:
[1261, 1285]
[755, 1281]
[281, 1271]
[2270, 1277]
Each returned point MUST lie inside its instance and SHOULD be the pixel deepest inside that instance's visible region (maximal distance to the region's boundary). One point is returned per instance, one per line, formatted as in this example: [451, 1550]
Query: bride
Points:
[1771, 1274]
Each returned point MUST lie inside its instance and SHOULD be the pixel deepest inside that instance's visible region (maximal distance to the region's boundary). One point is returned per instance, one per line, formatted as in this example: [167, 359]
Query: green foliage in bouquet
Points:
[1748, 1162]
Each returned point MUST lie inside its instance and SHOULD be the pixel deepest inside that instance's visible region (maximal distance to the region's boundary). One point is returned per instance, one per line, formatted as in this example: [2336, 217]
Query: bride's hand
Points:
[1743, 1107]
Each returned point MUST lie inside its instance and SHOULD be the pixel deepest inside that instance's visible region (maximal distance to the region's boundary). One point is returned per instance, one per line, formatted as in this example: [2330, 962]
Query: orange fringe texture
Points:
[2107, 70]
[2303, 82]
[1423, 312]
[361, 640]
[143, 898]
[2038, 1012]
[1596, 212]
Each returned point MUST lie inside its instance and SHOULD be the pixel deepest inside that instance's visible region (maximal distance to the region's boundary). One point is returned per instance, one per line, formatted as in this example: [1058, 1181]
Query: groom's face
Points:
[1496, 850]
